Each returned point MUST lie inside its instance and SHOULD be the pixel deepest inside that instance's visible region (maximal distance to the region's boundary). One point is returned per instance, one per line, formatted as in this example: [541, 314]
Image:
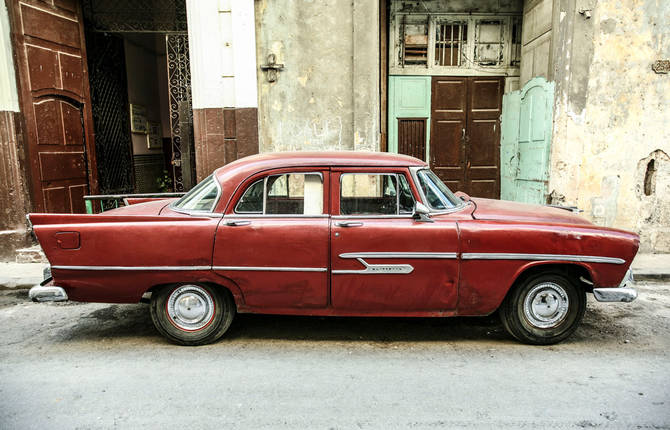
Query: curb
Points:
[651, 276]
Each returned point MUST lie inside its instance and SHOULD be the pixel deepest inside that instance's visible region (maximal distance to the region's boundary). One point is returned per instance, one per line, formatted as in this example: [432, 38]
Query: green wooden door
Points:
[409, 97]
[526, 142]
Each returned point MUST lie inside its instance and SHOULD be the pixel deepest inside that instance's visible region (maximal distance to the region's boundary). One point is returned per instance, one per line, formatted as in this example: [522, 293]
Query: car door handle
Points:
[237, 223]
[349, 224]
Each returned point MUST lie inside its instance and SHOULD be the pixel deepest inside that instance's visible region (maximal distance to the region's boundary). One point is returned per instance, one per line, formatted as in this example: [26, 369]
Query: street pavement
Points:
[74, 365]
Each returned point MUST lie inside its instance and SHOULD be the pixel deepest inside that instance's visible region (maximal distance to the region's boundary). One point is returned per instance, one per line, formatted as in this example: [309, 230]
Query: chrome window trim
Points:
[439, 255]
[271, 269]
[126, 268]
[265, 183]
[193, 212]
[404, 216]
[536, 257]
[414, 173]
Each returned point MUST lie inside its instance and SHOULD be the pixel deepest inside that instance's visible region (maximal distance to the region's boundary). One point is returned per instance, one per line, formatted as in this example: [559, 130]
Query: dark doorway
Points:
[465, 133]
[109, 100]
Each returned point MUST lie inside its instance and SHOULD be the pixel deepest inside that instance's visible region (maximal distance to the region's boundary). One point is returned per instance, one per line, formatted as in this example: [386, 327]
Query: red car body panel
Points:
[121, 254]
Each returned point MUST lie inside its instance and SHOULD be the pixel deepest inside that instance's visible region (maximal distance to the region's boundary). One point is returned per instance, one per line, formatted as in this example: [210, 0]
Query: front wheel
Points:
[192, 314]
[543, 309]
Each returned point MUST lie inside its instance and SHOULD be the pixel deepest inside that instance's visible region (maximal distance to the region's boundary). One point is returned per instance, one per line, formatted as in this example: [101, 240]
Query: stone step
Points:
[33, 254]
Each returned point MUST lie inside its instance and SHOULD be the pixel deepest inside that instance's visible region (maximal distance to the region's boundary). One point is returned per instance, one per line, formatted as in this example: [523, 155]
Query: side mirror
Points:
[422, 213]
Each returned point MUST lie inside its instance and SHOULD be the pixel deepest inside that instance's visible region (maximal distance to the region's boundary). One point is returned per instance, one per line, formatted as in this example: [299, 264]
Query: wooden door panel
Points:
[77, 193]
[43, 67]
[58, 166]
[51, 27]
[55, 200]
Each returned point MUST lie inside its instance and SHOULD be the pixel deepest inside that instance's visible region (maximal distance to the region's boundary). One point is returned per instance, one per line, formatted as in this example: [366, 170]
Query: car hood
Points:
[514, 211]
[147, 208]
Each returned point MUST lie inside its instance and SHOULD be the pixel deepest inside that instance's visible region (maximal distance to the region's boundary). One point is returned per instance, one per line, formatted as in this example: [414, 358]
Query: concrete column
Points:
[222, 45]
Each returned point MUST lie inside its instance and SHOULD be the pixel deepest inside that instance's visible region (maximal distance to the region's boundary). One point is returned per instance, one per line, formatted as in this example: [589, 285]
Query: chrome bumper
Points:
[623, 293]
[50, 293]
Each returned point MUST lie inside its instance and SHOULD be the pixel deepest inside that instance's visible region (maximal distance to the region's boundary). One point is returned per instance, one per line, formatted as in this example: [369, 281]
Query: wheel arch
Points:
[224, 284]
[575, 271]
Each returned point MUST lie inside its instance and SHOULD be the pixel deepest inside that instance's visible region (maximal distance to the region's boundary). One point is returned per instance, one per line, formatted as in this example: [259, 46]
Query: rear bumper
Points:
[48, 293]
[623, 293]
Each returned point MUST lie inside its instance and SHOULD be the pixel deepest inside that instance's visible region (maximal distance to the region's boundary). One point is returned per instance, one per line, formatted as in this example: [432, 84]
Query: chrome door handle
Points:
[349, 224]
[237, 223]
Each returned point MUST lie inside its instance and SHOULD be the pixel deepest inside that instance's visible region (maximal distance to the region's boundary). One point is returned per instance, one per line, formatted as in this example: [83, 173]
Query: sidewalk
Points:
[25, 275]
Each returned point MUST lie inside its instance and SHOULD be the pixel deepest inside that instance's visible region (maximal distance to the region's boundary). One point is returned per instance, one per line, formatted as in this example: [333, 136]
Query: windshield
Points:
[438, 195]
[201, 198]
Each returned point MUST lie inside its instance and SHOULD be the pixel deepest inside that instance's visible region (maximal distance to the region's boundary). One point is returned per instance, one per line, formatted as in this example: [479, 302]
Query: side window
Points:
[252, 200]
[375, 194]
[287, 194]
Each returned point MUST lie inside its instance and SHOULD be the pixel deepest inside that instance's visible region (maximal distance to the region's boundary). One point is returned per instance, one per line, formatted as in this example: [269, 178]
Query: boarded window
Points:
[414, 40]
[450, 43]
[489, 42]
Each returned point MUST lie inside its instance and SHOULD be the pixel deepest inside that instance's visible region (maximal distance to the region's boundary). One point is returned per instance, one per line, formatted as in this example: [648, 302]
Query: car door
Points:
[383, 259]
[273, 240]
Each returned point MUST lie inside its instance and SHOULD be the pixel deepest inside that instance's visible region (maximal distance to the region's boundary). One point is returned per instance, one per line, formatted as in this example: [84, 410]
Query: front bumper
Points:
[623, 293]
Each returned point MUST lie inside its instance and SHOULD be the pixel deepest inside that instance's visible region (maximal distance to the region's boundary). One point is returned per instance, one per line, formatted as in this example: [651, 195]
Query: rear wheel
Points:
[543, 309]
[192, 314]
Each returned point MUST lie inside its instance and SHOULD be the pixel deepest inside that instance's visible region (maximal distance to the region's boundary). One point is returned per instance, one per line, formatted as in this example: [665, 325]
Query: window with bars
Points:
[451, 40]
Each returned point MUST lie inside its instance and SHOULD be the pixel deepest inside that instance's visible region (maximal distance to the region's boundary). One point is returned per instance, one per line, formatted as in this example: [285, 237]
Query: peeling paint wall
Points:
[327, 95]
[611, 115]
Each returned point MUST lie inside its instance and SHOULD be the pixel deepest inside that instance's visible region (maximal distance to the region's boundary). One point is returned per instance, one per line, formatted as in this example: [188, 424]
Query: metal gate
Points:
[181, 111]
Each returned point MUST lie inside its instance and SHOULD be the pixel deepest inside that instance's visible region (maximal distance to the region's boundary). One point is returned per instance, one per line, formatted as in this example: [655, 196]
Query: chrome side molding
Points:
[378, 269]
[534, 257]
[447, 255]
[50, 293]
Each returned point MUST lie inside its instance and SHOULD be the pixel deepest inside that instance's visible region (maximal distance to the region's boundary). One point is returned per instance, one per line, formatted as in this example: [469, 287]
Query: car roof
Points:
[328, 158]
[230, 175]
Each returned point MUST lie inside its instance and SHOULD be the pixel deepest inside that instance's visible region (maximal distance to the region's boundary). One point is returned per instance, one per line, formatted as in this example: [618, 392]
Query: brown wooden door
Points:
[465, 133]
[55, 100]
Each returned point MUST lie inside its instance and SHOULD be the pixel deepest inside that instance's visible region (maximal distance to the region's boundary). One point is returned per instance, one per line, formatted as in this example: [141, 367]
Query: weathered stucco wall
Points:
[327, 94]
[611, 115]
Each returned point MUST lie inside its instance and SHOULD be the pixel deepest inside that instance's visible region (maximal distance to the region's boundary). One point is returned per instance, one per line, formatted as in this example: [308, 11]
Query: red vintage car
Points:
[336, 233]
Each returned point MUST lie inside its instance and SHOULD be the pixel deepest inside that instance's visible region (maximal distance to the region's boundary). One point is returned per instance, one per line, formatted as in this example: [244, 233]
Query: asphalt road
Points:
[76, 365]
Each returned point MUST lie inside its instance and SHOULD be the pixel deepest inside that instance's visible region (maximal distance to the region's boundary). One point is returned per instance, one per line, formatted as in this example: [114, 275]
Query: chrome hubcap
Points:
[190, 307]
[546, 305]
